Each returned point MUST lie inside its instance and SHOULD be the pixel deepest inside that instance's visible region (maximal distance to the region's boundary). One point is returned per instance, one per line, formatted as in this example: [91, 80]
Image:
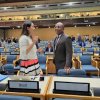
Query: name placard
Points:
[49, 53]
[23, 86]
[71, 87]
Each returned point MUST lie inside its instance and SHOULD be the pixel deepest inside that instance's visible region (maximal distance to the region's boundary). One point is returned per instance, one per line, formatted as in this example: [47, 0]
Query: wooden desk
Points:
[49, 57]
[42, 84]
[94, 83]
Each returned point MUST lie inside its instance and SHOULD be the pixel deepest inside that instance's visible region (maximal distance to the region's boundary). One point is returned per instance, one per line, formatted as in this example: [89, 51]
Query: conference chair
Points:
[10, 59]
[76, 50]
[90, 49]
[11, 97]
[8, 68]
[77, 73]
[73, 73]
[42, 61]
[2, 49]
[86, 63]
[16, 45]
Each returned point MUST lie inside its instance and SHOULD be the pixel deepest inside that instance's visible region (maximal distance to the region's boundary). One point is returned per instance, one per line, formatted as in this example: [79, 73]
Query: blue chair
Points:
[86, 64]
[76, 50]
[42, 61]
[1, 49]
[11, 49]
[11, 58]
[8, 68]
[90, 49]
[11, 97]
[73, 73]
[17, 45]
[77, 73]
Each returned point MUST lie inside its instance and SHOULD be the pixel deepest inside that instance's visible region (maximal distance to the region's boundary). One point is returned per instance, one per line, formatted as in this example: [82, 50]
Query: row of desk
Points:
[47, 87]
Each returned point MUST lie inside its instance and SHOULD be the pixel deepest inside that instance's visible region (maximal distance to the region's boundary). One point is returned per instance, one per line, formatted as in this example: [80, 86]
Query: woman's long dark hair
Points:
[24, 28]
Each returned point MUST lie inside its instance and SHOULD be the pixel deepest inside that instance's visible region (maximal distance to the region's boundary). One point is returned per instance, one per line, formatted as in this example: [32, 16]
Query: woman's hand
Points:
[40, 50]
[41, 73]
[34, 38]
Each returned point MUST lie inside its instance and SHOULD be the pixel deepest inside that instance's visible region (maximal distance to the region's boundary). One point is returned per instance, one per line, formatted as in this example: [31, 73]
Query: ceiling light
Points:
[18, 26]
[70, 3]
[75, 26]
[93, 23]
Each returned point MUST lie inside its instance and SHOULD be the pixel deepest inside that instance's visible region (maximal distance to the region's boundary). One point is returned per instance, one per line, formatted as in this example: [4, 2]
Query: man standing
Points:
[62, 49]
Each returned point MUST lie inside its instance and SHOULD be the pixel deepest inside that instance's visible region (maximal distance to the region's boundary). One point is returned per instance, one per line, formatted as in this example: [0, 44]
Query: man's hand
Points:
[67, 69]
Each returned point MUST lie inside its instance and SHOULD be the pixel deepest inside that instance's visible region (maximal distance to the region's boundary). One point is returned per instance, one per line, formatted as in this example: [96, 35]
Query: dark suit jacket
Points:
[63, 52]
[82, 44]
[47, 49]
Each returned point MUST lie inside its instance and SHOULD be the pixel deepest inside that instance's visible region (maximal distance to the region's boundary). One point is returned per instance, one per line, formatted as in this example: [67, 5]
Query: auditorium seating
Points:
[73, 73]
[8, 68]
[77, 50]
[86, 64]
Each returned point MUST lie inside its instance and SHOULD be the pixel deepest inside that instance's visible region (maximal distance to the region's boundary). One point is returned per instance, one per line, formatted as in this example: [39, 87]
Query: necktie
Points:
[56, 41]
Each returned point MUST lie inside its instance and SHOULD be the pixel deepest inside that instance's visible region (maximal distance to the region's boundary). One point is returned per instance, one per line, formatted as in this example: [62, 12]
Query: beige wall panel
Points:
[83, 30]
[49, 33]
[13, 33]
[45, 33]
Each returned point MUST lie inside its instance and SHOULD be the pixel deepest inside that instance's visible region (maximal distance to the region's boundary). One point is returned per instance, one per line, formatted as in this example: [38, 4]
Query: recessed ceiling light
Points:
[70, 3]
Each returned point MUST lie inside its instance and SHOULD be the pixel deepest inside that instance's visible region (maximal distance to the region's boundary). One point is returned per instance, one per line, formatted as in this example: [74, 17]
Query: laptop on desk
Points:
[73, 88]
[23, 84]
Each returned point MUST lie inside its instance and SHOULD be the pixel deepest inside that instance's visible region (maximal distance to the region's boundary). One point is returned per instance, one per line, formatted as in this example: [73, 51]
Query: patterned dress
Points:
[29, 62]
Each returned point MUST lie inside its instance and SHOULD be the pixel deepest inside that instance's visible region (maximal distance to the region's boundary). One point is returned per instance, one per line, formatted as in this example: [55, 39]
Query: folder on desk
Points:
[2, 77]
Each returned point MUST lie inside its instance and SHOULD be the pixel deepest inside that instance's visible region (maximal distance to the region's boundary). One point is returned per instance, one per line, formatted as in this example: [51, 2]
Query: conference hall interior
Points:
[81, 20]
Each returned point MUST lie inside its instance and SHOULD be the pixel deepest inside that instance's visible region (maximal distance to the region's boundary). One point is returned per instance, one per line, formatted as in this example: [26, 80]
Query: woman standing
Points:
[29, 61]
